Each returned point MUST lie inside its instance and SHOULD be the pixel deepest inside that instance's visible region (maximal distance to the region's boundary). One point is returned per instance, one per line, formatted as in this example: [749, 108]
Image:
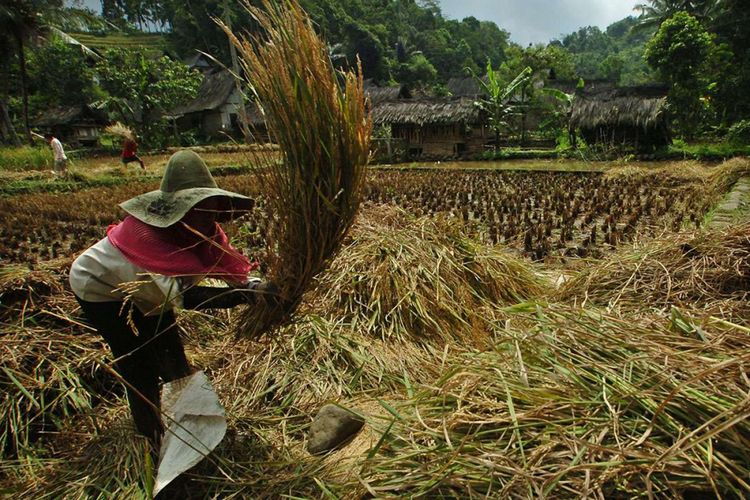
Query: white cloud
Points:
[539, 21]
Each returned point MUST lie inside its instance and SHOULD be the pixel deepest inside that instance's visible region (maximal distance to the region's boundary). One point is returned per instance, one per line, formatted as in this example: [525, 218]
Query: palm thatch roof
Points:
[380, 94]
[435, 111]
[642, 106]
[465, 86]
[212, 94]
[589, 85]
[70, 115]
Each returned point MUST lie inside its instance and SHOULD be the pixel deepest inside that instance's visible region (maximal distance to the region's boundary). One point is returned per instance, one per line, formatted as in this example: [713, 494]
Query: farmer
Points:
[129, 283]
[129, 152]
[61, 161]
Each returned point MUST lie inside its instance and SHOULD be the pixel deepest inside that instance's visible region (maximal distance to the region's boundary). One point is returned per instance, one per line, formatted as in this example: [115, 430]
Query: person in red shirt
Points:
[129, 150]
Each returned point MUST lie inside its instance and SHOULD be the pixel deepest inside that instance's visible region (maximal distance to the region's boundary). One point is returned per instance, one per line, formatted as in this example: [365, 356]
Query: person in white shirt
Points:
[61, 161]
[129, 283]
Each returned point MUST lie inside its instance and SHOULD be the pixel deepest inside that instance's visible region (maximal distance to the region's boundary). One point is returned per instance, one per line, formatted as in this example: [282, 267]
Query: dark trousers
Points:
[129, 159]
[142, 356]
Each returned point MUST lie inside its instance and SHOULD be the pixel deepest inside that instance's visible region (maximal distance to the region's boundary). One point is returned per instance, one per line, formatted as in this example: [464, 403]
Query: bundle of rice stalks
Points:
[322, 127]
[120, 130]
[707, 270]
[575, 404]
[421, 279]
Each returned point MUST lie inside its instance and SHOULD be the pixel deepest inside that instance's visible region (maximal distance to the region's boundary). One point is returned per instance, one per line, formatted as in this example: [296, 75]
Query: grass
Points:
[575, 403]
[710, 151]
[86, 173]
[25, 158]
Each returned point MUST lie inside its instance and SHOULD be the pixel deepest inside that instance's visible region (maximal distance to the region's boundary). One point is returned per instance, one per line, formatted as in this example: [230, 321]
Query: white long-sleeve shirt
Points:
[57, 149]
[103, 274]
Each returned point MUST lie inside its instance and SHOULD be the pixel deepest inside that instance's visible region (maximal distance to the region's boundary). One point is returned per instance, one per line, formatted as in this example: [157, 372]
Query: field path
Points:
[735, 206]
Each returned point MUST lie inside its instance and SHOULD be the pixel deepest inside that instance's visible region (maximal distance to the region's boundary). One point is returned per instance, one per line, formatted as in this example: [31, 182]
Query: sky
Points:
[539, 21]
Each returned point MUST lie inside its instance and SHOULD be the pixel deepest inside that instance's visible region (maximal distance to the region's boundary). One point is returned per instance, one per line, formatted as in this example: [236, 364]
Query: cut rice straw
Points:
[707, 270]
[322, 126]
[120, 130]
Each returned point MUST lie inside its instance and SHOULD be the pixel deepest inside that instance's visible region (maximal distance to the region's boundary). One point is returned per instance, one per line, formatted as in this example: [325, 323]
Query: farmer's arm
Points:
[204, 297]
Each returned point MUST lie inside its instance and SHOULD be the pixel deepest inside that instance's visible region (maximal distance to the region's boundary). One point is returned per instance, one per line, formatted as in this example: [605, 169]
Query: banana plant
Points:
[498, 103]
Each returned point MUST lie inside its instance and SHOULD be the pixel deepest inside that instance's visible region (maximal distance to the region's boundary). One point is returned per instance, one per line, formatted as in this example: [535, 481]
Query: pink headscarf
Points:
[178, 251]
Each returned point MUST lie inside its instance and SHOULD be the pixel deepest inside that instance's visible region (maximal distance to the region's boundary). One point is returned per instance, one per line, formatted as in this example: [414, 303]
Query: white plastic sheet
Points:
[195, 425]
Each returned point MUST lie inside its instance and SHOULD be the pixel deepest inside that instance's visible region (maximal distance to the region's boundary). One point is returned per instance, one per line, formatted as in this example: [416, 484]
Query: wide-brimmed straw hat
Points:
[186, 182]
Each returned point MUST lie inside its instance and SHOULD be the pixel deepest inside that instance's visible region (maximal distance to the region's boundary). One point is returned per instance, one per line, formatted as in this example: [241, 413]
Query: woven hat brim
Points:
[162, 209]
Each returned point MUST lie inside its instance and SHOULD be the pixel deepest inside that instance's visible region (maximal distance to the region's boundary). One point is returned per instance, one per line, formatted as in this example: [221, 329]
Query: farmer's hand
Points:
[262, 292]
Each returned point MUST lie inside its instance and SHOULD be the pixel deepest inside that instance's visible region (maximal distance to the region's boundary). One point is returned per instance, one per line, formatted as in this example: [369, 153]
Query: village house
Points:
[626, 117]
[434, 127]
[378, 94]
[78, 125]
[214, 111]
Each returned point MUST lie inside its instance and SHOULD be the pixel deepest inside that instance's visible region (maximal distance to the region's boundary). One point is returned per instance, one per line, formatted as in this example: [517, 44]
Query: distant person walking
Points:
[61, 161]
[129, 152]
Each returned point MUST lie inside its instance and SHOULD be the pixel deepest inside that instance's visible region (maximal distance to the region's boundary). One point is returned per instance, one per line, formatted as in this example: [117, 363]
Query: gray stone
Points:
[331, 427]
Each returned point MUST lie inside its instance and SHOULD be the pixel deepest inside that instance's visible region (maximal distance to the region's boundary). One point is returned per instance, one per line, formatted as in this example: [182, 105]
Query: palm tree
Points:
[22, 20]
[656, 12]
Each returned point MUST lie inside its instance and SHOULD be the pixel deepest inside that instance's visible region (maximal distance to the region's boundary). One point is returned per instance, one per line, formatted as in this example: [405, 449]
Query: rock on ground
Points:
[331, 427]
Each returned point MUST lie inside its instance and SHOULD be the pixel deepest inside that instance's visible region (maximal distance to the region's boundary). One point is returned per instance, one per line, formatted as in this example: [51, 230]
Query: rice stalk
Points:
[120, 130]
[320, 122]
[46, 377]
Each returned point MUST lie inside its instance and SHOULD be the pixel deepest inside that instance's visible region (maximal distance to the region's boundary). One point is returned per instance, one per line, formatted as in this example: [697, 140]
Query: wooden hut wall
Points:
[440, 140]
[642, 139]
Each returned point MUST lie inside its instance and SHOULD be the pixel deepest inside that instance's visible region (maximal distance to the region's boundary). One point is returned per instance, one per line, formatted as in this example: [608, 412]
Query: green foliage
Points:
[140, 89]
[680, 51]
[407, 40]
[705, 151]
[498, 104]
[59, 75]
[616, 53]
[731, 27]
[417, 70]
[518, 154]
[555, 111]
[739, 133]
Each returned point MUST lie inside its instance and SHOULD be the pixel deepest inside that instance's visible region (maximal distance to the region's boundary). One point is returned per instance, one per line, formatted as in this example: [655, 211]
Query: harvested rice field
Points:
[504, 334]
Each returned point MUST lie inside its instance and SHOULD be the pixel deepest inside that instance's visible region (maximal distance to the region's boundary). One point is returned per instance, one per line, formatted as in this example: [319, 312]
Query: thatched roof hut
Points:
[626, 116]
[434, 111]
[465, 86]
[79, 124]
[590, 85]
[379, 94]
[213, 93]
[215, 108]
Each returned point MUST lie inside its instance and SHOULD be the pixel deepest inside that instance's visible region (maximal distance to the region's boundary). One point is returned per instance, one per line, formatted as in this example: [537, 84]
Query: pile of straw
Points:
[421, 279]
[575, 404]
[22, 288]
[707, 270]
[120, 130]
[320, 122]
[49, 371]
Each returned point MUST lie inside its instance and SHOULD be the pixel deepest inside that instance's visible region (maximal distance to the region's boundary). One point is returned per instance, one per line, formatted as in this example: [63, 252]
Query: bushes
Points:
[739, 133]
